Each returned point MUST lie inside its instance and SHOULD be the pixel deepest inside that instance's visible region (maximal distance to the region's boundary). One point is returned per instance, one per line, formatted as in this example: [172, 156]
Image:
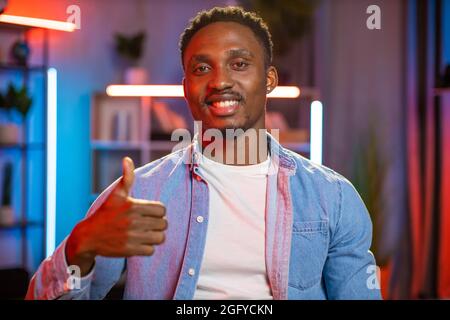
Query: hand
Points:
[120, 227]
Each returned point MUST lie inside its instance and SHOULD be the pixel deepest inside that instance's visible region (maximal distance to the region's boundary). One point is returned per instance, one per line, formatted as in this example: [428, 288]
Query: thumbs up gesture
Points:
[121, 227]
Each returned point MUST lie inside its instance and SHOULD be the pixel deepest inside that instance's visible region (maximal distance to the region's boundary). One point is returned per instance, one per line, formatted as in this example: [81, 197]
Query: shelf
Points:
[32, 145]
[21, 225]
[16, 27]
[132, 145]
[16, 67]
[31, 193]
[116, 145]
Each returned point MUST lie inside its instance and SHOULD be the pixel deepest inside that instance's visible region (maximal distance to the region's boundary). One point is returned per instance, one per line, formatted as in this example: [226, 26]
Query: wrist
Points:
[78, 249]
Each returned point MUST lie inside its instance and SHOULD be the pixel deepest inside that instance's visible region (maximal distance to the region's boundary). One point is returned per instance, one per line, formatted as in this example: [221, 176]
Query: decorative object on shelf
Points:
[118, 119]
[19, 99]
[9, 131]
[9, 134]
[20, 52]
[444, 80]
[130, 49]
[166, 121]
[6, 210]
[121, 126]
[14, 99]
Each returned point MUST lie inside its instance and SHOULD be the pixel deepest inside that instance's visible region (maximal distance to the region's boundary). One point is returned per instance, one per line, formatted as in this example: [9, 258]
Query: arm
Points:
[348, 271]
[51, 280]
[117, 226]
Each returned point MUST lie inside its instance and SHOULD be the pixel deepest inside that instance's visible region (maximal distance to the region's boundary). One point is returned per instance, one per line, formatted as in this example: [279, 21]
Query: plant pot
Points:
[9, 133]
[136, 75]
[6, 216]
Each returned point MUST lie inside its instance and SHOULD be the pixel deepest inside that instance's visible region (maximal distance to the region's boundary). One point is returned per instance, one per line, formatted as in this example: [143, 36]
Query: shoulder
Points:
[318, 174]
[329, 192]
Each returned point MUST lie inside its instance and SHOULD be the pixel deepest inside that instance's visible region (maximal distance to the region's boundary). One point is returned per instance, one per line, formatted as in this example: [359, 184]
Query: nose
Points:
[220, 80]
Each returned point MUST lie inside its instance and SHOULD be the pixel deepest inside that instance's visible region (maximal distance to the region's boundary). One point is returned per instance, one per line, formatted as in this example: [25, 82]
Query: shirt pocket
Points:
[308, 253]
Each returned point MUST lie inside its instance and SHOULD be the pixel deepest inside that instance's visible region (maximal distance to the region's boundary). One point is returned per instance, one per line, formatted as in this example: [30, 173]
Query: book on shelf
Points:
[166, 120]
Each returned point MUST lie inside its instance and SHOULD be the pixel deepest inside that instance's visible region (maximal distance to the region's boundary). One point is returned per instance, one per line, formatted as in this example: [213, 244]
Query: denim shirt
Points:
[318, 235]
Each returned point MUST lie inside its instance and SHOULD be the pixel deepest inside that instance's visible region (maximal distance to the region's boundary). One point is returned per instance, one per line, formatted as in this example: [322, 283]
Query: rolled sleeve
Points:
[54, 279]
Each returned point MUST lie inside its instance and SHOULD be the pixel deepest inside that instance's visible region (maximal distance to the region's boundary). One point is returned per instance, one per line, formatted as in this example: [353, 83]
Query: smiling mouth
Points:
[224, 104]
[223, 108]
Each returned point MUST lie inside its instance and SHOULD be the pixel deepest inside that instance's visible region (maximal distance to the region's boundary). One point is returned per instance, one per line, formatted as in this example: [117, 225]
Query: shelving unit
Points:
[107, 153]
[29, 158]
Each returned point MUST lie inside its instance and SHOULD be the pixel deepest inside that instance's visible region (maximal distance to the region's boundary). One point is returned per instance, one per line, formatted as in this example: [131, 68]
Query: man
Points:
[266, 225]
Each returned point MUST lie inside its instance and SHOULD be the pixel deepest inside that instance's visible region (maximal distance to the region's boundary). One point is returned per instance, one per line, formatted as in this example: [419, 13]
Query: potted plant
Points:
[368, 177]
[21, 101]
[6, 210]
[130, 49]
[14, 100]
[9, 131]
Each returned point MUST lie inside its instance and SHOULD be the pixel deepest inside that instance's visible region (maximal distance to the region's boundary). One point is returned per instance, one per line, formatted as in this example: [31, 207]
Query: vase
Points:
[6, 216]
[136, 76]
[20, 52]
[9, 133]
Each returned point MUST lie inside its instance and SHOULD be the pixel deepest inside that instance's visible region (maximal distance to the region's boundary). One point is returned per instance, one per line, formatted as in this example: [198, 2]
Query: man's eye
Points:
[201, 69]
[240, 65]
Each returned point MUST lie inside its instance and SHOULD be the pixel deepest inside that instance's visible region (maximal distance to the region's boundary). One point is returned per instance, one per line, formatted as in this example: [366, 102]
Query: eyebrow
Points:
[232, 53]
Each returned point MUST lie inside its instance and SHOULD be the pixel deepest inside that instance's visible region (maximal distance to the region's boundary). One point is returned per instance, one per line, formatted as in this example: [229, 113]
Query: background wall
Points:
[358, 70]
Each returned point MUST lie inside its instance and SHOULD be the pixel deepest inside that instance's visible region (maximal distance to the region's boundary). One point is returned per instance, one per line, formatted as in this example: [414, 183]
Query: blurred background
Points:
[378, 70]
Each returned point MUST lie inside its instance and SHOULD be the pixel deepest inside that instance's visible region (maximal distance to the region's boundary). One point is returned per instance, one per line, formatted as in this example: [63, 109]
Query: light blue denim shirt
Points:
[318, 235]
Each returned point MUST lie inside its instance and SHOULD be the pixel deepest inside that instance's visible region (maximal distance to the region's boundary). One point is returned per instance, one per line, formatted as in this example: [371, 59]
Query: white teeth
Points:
[224, 104]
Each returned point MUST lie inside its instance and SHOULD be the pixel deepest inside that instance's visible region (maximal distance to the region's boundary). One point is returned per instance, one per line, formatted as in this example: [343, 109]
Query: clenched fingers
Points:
[147, 208]
[140, 223]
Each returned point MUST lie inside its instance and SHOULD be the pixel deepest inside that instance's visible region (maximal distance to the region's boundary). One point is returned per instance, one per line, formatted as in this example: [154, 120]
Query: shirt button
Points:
[199, 219]
[191, 272]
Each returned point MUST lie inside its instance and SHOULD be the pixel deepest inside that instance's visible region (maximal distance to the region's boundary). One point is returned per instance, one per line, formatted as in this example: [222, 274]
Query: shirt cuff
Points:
[70, 284]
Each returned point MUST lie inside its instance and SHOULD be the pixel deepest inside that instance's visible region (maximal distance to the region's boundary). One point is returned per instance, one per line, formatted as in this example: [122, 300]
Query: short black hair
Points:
[229, 14]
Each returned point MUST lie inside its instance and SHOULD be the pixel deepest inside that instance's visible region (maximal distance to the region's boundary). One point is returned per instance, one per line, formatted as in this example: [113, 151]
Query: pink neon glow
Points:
[37, 22]
[177, 91]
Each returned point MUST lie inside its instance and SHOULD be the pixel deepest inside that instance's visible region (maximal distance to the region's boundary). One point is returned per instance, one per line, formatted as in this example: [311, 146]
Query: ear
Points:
[183, 82]
[271, 79]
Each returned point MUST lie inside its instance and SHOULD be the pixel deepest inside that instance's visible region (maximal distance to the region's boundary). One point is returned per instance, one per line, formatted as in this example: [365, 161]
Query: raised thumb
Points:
[128, 174]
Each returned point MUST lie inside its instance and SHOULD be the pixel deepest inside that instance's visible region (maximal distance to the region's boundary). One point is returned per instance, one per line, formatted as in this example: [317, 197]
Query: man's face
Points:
[225, 80]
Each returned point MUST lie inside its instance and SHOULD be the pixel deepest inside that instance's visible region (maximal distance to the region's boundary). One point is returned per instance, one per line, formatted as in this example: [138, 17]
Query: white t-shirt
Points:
[234, 264]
